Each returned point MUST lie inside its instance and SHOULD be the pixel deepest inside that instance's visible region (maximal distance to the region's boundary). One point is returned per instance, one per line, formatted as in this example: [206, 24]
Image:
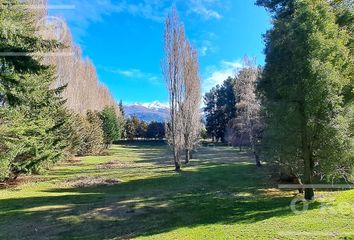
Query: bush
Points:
[89, 134]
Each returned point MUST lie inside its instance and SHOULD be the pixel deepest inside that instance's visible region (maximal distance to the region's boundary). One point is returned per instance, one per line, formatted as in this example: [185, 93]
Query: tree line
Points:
[297, 111]
[40, 123]
[83, 90]
[233, 110]
[134, 128]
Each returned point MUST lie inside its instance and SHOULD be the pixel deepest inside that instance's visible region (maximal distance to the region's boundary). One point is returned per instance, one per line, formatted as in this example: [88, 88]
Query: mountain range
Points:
[148, 112]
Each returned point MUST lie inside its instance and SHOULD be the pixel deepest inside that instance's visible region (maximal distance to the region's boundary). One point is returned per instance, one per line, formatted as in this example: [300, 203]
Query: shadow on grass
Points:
[160, 155]
[226, 194]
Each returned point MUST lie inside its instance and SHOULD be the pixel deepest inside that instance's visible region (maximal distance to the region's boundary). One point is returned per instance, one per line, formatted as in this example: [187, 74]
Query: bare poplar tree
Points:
[173, 72]
[248, 122]
[191, 105]
[181, 72]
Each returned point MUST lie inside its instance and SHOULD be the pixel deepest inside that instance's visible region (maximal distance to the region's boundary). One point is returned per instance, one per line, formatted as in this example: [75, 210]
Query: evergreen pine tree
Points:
[32, 117]
[110, 125]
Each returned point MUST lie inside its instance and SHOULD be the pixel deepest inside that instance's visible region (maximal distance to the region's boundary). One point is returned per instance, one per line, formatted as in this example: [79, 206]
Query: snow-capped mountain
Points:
[148, 112]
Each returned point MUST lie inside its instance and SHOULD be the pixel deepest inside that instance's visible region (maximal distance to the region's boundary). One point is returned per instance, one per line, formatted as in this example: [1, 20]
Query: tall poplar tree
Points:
[181, 73]
[191, 117]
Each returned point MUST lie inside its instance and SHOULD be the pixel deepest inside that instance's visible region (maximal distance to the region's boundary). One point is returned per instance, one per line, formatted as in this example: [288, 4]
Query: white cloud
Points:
[88, 10]
[93, 11]
[206, 47]
[203, 50]
[129, 73]
[135, 74]
[233, 64]
[204, 8]
[217, 75]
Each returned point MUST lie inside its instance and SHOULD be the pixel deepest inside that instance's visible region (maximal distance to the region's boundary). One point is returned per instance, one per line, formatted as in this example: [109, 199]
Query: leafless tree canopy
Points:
[191, 105]
[180, 70]
[247, 123]
[84, 91]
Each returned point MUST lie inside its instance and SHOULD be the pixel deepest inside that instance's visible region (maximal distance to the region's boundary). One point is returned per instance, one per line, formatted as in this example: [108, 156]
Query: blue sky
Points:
[124, 39]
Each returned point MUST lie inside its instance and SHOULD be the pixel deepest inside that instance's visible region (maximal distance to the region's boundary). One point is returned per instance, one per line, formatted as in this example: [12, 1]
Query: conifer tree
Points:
[303, 82]
[220, 109]
[33, 120]
[110, 125]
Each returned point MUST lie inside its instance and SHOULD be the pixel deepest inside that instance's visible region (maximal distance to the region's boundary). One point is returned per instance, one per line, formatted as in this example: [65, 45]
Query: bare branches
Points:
[247, 122]
[84, 91]
[172, 68]
[191, 111]
[180, 70]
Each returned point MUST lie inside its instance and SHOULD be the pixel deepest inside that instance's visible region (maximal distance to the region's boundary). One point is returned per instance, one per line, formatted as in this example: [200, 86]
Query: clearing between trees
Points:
[132, 193]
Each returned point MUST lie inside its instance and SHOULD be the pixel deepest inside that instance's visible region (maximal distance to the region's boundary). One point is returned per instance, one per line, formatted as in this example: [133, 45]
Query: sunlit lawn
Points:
[220, 195]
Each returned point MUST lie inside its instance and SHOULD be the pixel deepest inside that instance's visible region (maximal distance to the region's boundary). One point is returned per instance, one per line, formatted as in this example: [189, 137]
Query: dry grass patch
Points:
[76, 161]
[113, 165]
[88, 181]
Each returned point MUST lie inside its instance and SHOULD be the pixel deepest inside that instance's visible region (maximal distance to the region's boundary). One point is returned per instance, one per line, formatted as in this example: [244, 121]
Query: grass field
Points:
[220, 195]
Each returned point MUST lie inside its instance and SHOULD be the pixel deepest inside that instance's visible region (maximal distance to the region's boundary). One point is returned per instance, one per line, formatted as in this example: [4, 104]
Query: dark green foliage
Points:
[131, 127]
[138, 129]
[307, 62]
[155, 130]
[121, 108]
[345, 19]
[141, 130]
[35, 127]
[90, 136]
[38, 130]
[111, 125]
[220, 109]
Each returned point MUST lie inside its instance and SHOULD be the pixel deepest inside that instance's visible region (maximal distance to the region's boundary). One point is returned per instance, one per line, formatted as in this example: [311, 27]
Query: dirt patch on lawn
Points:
[73, 162]
[118, 211]
[112, 165]
[89, 181]
[21, 180]
[114, 212]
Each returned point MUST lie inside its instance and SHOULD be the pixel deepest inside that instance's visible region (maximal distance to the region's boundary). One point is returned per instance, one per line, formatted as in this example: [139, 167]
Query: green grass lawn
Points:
[220, 195]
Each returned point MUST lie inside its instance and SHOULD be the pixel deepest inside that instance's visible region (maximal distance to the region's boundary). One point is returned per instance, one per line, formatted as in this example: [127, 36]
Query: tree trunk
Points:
[258, 161]
[309, 193]
[240, 143]
[308, 171]
[177, 161]
[177, 167]
[253, 146]
[188, 155]
[298, 181]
